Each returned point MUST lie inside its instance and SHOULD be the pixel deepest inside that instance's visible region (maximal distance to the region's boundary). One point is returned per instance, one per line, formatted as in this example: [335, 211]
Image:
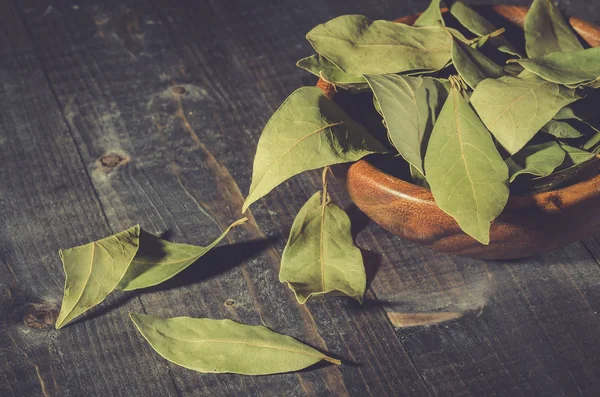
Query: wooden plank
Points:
[47, 202]
[146, 91]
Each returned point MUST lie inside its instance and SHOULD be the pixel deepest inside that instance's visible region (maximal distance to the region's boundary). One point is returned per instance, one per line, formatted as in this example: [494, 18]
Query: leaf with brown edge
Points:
[307, 132]
[225, 346]
[320, 256]
[158, 260]
[93, 271]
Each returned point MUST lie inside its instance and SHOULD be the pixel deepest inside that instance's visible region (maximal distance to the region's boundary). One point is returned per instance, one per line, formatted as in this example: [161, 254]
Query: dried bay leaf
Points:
[515, 109]
[561, 130]
[472, 65]
[225, 346]
[158, 260]
[467, 176]
[321, 67]
[432, 16]
[409, 106]
[539, 160]
[93, 271]
[546, 31]
[480, 26]
[320, 256]
[360, 46]
[307, 132]
[568, 68]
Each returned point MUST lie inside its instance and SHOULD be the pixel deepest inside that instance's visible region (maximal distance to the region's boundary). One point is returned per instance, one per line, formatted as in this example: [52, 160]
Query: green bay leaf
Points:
[539, 160]
[360, 46]
[432, 16]
[515, 109]
[561, 130]
[467, 176]
[475, 23]
[320, 256]
[321, 67]
[568, 68]
[307, 132]
[409, 106]
[93, 271]
[546, 31]
[225, 346]
[158, 260]
[472, 65]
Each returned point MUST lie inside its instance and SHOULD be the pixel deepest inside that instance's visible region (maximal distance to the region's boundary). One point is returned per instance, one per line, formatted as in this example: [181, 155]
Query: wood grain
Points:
[117, 113]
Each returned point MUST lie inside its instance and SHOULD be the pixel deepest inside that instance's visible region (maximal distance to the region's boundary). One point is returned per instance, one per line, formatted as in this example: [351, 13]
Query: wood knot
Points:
[229, 302]
[110, 161]
[179, 90]
[40, 315]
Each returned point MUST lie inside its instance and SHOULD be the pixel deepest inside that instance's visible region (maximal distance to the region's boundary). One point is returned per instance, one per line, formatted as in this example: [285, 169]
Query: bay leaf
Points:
[539, 160]
[546, 31]
[409, 106]
[432, 16]
[575, 156]
[307, 132]
[359, 46]
[568, 68]
[467, 175]
[561, 130]
[472, 65]
[320, 257]
[93, 271]
[225, 346]
[475, 23]
[158, 260]
[515, 109]
[321, 67]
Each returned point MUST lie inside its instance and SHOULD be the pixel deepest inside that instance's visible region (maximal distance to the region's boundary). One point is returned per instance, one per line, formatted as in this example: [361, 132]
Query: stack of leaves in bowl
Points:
[472, 113]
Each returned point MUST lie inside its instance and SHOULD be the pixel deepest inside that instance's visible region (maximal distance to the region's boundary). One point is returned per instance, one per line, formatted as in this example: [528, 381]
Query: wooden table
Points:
[149, 112]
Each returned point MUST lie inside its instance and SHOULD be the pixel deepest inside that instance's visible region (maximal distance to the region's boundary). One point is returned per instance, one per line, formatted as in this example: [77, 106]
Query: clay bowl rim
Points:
[380, 179]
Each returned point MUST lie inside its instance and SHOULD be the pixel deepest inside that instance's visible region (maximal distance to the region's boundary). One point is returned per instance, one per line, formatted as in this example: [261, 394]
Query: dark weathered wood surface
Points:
[115, 113]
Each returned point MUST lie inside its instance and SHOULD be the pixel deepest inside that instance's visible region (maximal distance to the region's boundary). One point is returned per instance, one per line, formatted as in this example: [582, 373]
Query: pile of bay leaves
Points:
[471, 116]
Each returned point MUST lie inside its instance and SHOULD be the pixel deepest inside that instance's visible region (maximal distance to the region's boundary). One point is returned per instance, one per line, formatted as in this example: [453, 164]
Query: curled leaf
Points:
[410, 106]
[472, 65]
[225, 346]
[158, 260]
[320, 256]
[359, 46]
[308, 131]
[321, 67]
[432, 16]
[93, 271]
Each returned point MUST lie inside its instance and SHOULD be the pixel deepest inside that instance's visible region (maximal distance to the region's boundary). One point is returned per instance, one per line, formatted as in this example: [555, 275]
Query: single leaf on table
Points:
[546, 31]
[472, 65]
[360, 46]
[561, 130]
[321, 67]
[467, 176]
[432, 16]
[158, 260]
[480, 26]
[307, 132]
[409, 106]
[568, 68]
[93, 271]
[515, 109]
[225, 346]
[539, 160]
[320, 256]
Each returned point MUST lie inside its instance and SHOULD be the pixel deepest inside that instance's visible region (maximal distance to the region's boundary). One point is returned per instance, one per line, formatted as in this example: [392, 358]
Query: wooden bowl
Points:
[528, 225]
